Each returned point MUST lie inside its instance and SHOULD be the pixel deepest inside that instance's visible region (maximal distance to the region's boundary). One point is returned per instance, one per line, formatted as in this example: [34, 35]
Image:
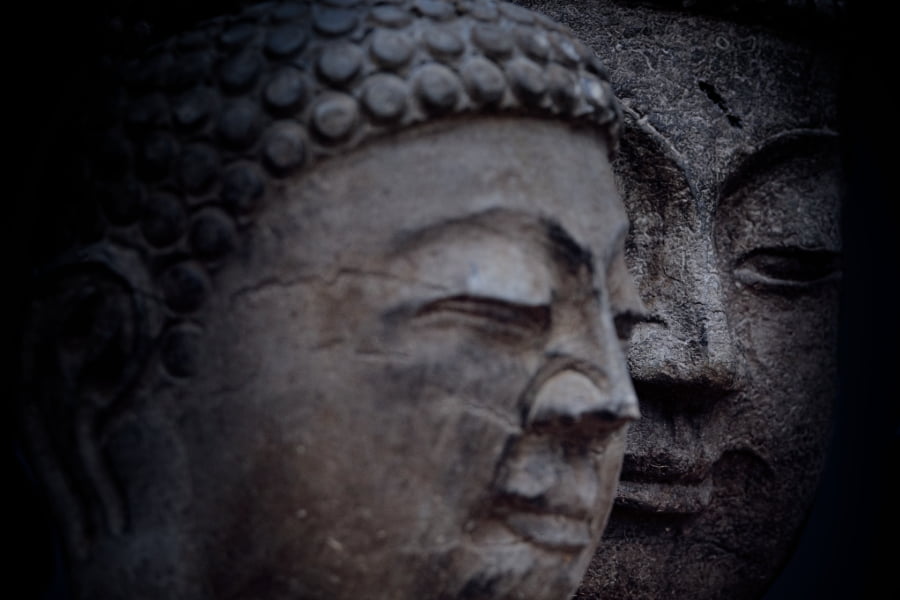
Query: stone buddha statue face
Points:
[415, 390]
[730, 173]
[351, 328]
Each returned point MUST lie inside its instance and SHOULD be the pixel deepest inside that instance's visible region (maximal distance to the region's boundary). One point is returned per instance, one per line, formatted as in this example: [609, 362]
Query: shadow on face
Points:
[412, 358]
[729, 170]
[403, 335]
[280, 350]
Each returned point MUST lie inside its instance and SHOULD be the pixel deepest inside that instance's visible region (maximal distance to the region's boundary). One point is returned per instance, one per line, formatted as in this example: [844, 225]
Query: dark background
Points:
[849, 547]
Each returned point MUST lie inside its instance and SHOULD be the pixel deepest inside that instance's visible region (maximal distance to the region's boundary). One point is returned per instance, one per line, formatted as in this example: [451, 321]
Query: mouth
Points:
[664, 486]
[664, 497]
[567, 527]
[548, 529]
[548, 490]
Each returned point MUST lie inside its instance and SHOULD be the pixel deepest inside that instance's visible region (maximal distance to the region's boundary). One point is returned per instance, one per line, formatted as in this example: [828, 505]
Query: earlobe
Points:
[87, 336]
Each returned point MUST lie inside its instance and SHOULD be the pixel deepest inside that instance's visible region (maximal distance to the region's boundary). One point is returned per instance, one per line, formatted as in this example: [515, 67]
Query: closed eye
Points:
[787, 268]
[488, 313]
[625, 323]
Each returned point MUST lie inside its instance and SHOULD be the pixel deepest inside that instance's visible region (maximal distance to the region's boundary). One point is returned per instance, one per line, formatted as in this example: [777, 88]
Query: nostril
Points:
[663, 356]
[661, 394]
[570, 400]
[603, 422]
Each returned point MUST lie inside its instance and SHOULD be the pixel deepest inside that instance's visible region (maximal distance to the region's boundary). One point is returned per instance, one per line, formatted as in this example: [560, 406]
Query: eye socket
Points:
[785, 268]
[496, 316]
[625, 323]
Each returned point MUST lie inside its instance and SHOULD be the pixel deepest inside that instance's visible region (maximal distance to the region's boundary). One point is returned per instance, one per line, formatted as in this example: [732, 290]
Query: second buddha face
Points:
[730, 174]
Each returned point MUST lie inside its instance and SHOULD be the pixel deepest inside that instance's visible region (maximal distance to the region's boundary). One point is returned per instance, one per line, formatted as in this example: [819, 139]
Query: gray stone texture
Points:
[340, 312]
[729, 169]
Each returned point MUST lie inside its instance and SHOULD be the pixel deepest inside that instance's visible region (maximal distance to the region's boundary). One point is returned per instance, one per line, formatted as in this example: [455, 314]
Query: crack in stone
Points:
[643, 123]
[718, 100]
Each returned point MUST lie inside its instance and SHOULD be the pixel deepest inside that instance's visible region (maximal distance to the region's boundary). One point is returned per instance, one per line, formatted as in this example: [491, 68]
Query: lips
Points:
[553, 531]
[546, 499]
[564, 528]
[664, 498]
[553, 479]
[664, 485]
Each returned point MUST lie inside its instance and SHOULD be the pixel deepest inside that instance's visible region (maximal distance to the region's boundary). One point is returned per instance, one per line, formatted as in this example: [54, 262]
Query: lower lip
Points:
[551, 531]
[664, 498]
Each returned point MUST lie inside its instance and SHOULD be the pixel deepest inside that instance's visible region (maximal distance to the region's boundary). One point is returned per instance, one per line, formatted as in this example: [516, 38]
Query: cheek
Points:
[380, 438]
[405, 444]
[450, 411]
[789, 349]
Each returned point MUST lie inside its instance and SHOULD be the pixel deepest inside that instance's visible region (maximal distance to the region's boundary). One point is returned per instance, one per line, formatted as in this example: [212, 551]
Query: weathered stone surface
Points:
[730, 173]
[341, 318]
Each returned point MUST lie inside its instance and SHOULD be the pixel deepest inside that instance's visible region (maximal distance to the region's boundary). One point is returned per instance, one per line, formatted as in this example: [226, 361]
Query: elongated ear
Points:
[86, 339]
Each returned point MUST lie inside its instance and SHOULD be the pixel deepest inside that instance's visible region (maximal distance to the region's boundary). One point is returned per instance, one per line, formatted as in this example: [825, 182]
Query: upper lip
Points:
[664, 484]
[555, 527]
[670, 472]
[516, 503]
[667, 468]
[665, 498]
[664, 468]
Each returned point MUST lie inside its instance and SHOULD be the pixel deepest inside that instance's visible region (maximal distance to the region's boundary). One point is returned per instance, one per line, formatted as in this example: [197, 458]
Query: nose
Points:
[581, 400]
[568, 458]
[687, 342]
[572, 406]
[583, 389]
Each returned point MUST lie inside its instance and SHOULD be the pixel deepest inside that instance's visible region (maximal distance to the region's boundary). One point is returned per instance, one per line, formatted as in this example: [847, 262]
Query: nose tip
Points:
[680, 350]
[665, 353]
[687, 340]
[571, 400]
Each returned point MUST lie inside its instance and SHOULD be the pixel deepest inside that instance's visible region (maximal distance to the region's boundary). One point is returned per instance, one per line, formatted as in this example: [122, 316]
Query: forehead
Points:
[712, 91]
[372, 200]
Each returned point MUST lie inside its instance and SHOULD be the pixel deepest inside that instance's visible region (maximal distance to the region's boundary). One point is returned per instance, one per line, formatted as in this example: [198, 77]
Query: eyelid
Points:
[625, 322]
[788, 268]
[531, 317]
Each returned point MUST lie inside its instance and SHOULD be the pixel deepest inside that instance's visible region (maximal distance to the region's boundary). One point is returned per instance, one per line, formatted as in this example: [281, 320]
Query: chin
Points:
[495, 563]
[732, 546]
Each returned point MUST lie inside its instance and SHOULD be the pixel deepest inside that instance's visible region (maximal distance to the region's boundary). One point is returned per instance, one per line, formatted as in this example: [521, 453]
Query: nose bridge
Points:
[688, 338]
[715, 332]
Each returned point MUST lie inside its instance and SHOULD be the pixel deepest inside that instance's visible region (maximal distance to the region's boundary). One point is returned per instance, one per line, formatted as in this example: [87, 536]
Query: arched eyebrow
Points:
[565, 250]
[558, 243]
[774, 150]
